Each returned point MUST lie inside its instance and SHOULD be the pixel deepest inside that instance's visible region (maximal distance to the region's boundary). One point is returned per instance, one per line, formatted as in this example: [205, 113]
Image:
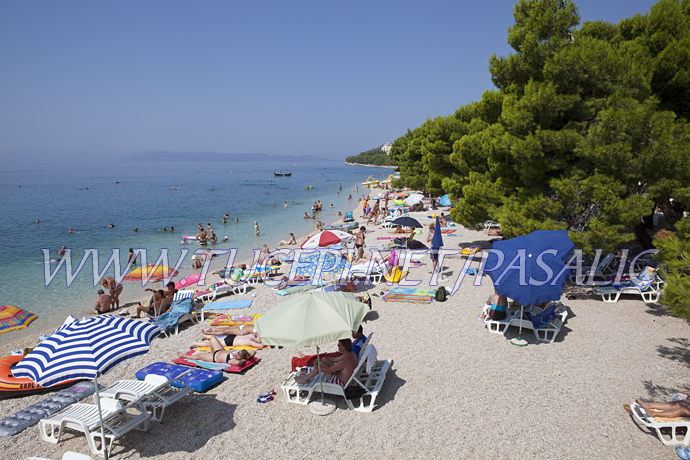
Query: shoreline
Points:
[371, 166]
[28, 338]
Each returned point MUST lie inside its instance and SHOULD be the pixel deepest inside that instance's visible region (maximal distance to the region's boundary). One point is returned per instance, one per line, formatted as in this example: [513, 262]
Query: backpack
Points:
[441, 294]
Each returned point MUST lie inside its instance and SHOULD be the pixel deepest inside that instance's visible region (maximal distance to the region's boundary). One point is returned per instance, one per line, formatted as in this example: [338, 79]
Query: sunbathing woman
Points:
[241, 329]
[233, 340]
[219, 354]
[667, 409]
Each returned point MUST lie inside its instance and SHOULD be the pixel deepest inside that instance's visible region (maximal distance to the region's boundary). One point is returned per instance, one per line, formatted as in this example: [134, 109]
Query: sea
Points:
[104, 203]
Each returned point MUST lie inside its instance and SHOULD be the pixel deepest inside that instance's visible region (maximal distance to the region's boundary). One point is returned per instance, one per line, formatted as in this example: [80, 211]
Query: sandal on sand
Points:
[627, 408]
[265, 398]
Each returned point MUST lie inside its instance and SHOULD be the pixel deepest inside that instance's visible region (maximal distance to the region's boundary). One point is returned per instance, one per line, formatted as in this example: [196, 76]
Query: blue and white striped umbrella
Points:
[82, 349]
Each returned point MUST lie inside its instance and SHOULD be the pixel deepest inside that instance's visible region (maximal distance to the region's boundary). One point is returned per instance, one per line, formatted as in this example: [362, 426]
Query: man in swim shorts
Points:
[338, 370]
[103, 304]
[219, 354]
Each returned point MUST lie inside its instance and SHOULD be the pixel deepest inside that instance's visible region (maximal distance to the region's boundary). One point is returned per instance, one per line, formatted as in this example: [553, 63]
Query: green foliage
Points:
[375, 156]
[675, 256]
[587, 131]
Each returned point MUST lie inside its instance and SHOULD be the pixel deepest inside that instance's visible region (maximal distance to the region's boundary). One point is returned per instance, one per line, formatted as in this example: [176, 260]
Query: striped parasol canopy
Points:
[151, 273]
[12, 318]
[84, 348]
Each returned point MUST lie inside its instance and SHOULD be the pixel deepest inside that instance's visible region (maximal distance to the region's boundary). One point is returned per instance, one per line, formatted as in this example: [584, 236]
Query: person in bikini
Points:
[238, 329]
[359, 242]
[219, 354]
[495, 308]
[336, 370]
[114, 288]
[232, 340]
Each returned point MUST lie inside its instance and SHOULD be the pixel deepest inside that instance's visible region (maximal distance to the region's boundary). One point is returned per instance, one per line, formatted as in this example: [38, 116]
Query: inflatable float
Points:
[11, 386]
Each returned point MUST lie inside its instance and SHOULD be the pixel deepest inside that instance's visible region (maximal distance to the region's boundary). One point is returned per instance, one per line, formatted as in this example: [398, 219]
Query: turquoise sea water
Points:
[59, 198]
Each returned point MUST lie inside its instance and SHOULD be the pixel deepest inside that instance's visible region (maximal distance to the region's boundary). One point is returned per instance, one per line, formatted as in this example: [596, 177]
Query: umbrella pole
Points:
[100, 418]
[520, 342]
[320, 408]
[318, 364]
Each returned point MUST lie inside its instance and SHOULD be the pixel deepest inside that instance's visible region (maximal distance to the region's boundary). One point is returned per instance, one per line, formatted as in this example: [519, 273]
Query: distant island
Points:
[378, 156]
[216, 156]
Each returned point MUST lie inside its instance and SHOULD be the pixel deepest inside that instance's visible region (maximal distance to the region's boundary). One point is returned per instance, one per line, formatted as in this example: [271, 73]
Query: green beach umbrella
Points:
[312, 319]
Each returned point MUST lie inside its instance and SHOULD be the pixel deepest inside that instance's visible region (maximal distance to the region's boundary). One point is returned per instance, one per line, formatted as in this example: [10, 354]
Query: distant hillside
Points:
[215, 156]
[375, 156]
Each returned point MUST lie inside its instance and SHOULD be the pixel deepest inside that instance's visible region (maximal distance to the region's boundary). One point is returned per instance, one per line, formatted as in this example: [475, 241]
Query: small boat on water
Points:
[282, 173]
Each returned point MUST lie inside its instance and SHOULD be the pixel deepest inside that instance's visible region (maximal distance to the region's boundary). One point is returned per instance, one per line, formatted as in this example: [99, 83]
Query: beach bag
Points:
[441, 294]
[398, 240]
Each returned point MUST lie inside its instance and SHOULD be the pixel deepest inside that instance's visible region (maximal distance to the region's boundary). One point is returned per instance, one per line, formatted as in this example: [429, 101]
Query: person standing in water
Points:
[257, 232]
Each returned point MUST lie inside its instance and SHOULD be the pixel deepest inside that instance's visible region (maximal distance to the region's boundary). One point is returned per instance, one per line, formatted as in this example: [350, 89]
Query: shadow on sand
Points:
[186, 415]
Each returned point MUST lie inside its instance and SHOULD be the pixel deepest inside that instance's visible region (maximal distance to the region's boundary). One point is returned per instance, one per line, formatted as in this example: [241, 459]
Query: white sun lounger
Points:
[300, 393]
[234, 287]
[84, 417]
[672, 436]
[548, 332]
[647, 285]
[155, 393]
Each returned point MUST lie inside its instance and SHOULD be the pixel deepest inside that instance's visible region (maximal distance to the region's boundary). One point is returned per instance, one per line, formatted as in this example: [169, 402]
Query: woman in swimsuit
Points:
[219, 354]
[114, 288]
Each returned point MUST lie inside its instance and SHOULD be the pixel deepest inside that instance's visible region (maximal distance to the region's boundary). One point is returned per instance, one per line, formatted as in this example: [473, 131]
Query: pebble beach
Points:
[453, 391]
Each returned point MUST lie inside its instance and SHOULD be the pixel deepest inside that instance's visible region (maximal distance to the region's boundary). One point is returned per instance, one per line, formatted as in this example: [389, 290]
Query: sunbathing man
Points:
[233, 340]
[337, 370]
[667, 409]
[114, 288]
[219, 354]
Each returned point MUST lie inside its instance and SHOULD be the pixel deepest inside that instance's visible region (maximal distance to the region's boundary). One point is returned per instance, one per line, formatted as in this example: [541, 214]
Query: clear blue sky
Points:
[326, 78]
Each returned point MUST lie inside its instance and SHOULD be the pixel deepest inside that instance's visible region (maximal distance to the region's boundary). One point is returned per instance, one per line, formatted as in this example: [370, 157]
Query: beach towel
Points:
[228, 304]
[410, 295]
[385, 237]
[447, 231]
[232, 347]
[216, 366]
[178, 309]
[233, 320]
[30, 416]
[543, 318]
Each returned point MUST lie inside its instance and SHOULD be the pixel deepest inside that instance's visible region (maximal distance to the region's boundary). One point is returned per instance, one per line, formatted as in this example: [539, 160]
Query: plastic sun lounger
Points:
[367, 385]
[155, 393]
[234, 287]
[496, 326]
[84, 417]
[548, 332]
[649, 286]
[670, 426]
[300, 393]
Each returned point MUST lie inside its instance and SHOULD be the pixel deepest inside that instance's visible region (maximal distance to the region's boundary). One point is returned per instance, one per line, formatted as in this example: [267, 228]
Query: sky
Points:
[111, 78]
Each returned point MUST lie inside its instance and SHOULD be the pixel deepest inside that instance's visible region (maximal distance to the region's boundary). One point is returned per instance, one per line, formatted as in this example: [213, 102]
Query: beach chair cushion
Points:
[199, 379]
[223, 367]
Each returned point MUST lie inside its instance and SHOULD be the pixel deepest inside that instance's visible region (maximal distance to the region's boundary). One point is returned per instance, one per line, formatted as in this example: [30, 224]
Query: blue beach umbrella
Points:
[84, 349]
[531, 271]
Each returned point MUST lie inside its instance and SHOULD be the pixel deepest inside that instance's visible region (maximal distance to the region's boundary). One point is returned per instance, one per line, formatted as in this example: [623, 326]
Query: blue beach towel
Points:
[228, 304]
[178, 309]
[543, 318]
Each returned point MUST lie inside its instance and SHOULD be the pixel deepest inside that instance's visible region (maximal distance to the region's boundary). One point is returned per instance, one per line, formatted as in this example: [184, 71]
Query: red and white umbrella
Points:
[326, 238]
